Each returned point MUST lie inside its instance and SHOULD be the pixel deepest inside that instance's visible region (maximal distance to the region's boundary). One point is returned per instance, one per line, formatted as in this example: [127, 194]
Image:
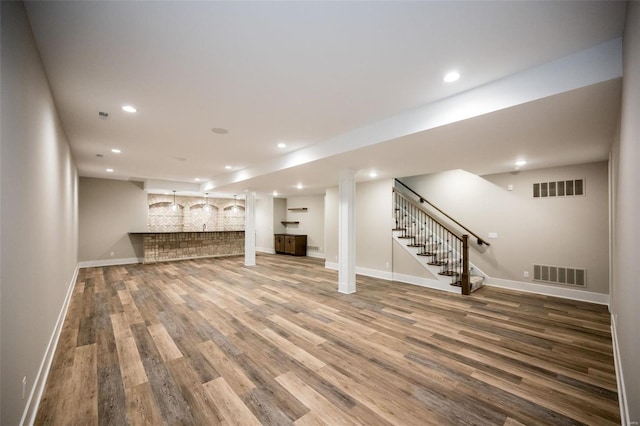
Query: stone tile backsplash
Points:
[194, 214]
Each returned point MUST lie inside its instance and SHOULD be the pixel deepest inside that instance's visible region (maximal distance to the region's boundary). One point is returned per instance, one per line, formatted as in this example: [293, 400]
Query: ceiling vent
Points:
[103, 114]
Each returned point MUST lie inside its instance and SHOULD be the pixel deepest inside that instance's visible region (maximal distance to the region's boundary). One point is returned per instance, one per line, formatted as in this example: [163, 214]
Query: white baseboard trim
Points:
[565, 293]
[109, 262]
[617, 361]
[375, 273]
[316, 254]
[547, 290]
[331, 265]
[406, 279]
[425, 282]
[265, 250]
[31, 409]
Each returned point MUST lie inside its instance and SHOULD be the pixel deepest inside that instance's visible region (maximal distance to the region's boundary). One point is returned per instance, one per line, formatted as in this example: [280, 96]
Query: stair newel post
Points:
[465, 265]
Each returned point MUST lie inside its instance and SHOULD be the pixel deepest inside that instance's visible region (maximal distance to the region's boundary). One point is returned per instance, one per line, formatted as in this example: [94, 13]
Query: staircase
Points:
[445, 254]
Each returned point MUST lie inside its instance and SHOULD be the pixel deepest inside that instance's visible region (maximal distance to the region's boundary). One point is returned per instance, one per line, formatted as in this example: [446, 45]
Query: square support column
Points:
[347, 233]
[250, 229]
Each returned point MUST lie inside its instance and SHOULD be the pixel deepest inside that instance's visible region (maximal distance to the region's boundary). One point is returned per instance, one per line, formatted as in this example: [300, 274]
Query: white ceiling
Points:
[305, 73]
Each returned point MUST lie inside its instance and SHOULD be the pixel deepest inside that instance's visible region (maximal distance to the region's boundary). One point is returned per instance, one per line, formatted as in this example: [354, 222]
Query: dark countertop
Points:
[180, 232]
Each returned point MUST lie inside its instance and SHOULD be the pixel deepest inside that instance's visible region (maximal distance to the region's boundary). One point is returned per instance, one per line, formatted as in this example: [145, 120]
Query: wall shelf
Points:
[298, 209]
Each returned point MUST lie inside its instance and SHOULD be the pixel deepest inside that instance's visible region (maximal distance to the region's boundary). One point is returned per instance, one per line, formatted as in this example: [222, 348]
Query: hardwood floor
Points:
[213, 342]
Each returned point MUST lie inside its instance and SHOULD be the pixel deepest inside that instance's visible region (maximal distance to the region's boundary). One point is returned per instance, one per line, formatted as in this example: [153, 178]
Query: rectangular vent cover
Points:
[561, 188]
[560, 275]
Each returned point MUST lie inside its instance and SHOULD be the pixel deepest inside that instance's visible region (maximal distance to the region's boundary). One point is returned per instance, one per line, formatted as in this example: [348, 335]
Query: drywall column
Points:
[347, 233]
[250, 229]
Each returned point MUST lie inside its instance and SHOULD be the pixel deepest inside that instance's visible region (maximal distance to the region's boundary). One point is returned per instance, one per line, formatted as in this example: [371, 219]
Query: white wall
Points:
[108, 211]
[625, 160]
[311, 222]
[279, 214]
[270, 212]
[331, 203]
[560, 231]
[264, 225]
[39, 220]
[374, 221]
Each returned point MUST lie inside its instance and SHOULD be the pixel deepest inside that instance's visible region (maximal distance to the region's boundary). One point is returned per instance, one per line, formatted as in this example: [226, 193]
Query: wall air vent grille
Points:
[560, 275]
[561, 188]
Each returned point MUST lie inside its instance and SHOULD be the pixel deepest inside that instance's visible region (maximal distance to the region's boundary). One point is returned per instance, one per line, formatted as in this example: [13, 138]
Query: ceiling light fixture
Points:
[109, 170]
[219, 131]
[451, 76]
[207, 207]
[275, 193]
[197, 179]
[282, 145]
[116, 151]
[228, 167]
[373, 174]
[235, 206]
[299, 186]
[520, 163]
[129, 108]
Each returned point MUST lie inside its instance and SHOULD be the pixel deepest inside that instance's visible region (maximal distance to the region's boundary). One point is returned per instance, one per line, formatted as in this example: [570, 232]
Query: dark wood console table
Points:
[291, 244]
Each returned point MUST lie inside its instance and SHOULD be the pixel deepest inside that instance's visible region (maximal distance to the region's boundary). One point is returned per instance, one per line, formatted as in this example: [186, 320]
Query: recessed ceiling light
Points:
[129, 108]
[451, 76]
[282, 145]
[228, 167]
[219, 131]
[275, 193]
[109, 170]
[116, 151]
[373, 174]
[299, 186]
[197, 179]
[520, 163]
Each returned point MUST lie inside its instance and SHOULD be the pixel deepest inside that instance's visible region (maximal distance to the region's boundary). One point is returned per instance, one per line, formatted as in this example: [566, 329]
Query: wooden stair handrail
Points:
[422, 209]
[424, 200]
[414, 214]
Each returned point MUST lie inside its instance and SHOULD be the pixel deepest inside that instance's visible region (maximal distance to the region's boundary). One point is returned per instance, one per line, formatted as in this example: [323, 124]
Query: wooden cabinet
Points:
[279, 242]
[291, 244]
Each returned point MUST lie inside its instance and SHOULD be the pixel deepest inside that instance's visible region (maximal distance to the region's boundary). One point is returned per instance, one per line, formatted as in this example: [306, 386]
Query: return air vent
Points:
[561, 188]
[560, 275]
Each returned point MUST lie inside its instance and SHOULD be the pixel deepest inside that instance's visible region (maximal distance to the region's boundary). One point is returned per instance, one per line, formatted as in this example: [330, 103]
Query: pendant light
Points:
[174, 206]
[207, 207]
[235, 205]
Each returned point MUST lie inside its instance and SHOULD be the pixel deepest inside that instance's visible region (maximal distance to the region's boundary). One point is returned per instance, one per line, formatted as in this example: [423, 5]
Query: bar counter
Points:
[166, 246]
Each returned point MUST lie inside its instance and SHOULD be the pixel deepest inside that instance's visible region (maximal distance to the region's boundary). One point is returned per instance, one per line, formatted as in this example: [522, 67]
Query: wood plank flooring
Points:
[213, 342]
